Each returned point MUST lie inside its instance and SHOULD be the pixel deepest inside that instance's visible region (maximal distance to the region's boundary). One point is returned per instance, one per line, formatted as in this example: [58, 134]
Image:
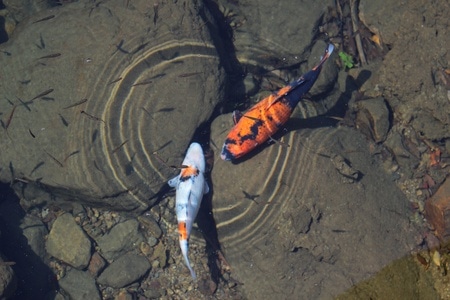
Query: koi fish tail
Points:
[301, 86]
[324, 58]
[184, 245]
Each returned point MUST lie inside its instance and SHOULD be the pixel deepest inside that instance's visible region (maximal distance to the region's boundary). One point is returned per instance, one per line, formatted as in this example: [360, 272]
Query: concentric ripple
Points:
[104, 87]
[249, 205]
[251, 197]
[143, 108]
[287, 214]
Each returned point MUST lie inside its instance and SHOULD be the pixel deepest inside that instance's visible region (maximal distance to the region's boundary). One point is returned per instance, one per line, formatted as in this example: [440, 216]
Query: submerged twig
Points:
[359, 46]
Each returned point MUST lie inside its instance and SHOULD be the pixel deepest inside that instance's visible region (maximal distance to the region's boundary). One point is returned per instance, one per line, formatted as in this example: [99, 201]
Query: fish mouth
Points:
[226, 154]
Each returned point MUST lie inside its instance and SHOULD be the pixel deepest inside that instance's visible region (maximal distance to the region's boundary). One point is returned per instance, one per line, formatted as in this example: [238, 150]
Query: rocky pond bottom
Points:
[348, 201]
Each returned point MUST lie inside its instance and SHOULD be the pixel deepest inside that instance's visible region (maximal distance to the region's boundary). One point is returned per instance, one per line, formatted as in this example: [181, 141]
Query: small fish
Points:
[115, 80]
[8, 121]
[44, 19]
[45, 93]
[76, 104]
[264, 119]
[190, 187]
[50, 56]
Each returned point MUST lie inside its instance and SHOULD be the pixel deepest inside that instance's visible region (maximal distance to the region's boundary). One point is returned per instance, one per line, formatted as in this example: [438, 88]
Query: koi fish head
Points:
[194, 157]
[232, 150]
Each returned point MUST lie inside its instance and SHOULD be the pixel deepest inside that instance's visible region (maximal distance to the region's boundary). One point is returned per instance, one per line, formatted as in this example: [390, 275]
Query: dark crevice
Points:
[3, 34]
[35, 279]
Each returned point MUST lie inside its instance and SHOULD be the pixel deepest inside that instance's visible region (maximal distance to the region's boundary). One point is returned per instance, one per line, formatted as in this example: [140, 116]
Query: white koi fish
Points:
[190, 187]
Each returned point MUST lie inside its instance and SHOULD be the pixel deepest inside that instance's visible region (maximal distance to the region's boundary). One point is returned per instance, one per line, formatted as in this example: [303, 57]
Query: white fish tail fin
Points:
[184, 245]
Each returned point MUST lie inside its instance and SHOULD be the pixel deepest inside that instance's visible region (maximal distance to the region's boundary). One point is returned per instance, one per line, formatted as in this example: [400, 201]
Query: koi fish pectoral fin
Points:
[174, 181]
[275, 100]
[205, 188]
[237, 115]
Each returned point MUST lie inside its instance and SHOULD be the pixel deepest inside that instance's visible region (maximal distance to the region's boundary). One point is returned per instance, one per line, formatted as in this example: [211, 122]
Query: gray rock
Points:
[372, 118]
[30, 269]
[338, 240]
[111, 86]
[8, 281]
[68, 242]
[79, 285]
[124, 271]
[259, 38]
[122, 238]
[406, 157]
[381, 18]
[150, 225]
[329, 74]
[21, 9]
[419, 100]
[35, 231]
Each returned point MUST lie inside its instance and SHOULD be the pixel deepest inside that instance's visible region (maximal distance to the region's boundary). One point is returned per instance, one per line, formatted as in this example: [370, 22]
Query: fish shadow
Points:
[207, 227]
[35, 280]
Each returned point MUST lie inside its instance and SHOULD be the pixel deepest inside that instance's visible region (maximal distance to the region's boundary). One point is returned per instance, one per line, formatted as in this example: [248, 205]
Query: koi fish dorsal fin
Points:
[237, 115]
[277, 96]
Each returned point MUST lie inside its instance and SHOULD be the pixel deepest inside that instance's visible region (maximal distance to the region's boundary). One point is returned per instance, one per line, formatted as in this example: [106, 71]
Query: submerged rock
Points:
[8, 280]
[122, 238]
[124, 271]
[437, 211]
[283, 215]
[79, 285]
[96, 90]
[68, 242]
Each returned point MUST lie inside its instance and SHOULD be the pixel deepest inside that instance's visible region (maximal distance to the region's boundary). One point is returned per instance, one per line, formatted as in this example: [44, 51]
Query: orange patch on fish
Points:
[187, 172]
[258, 125]
[182, 231]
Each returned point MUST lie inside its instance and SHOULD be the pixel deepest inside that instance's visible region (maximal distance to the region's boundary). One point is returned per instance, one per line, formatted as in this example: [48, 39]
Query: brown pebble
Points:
[207, 287]
[96, 264]
[437, 211]
[123, 295]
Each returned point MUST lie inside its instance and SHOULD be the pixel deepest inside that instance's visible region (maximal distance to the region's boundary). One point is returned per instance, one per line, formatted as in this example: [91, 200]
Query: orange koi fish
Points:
[190, 187]
[264, 119]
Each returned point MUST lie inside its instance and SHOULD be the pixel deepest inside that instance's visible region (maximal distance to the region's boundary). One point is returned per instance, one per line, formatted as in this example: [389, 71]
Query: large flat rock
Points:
[91, 93]
[309, 216]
